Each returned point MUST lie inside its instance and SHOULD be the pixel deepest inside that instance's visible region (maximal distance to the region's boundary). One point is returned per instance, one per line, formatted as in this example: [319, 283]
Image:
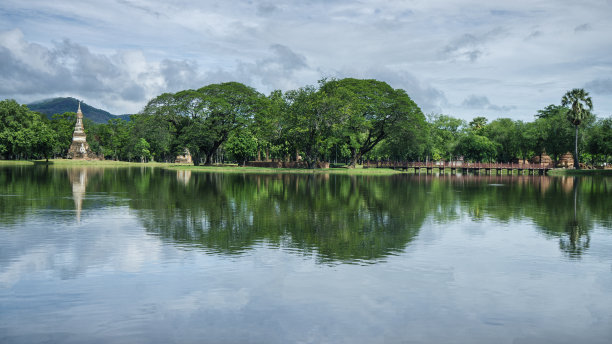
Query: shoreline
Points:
[571, 172]
[261, 170]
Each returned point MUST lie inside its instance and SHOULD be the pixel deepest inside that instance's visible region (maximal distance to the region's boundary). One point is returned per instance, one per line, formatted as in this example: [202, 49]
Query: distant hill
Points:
[54, 106]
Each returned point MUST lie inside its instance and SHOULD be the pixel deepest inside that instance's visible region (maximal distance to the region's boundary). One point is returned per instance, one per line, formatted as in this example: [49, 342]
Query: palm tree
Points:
[580, 106]
[478, 123]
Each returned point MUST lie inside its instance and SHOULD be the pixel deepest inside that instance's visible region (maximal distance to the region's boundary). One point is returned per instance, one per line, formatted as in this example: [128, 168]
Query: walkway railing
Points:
[454, 165]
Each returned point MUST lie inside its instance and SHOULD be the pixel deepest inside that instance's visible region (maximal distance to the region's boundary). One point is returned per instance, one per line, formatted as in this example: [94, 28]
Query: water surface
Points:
[146, 255]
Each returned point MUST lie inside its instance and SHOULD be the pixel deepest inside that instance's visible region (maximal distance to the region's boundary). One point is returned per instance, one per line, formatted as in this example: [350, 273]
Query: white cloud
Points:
[482, 103]
[600, 86]
[127, 51]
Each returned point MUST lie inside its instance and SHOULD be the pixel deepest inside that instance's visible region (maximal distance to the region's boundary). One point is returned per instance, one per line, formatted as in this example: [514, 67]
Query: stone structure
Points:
[184, 159]
[519, 161]
[546, 160]
[566, 160]
[79, 149]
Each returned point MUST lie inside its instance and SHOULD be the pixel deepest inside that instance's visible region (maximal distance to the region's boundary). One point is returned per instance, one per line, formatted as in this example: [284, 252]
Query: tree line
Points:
[339, 121]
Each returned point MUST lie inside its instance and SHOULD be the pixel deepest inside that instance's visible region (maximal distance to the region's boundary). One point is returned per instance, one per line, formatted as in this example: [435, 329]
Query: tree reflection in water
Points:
[337, 218]
[577, 240]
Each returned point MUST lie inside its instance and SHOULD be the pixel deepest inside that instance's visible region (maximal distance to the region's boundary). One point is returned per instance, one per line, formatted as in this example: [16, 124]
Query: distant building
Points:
[79, 148]
[184, 159]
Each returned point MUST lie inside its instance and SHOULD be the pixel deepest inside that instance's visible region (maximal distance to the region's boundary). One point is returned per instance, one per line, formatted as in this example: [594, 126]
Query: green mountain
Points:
[53, 106]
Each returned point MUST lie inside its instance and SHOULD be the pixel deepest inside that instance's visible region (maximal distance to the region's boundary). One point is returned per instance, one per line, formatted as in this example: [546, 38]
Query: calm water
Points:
[153, 256]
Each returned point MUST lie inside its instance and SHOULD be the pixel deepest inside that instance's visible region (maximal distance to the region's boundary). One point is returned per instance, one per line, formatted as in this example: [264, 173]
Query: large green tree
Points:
[476, 148]
[504, 132]
[580, 107]
[267, 128]
[599, 140]
[445, 132]
[309, 124]
[24, 134]
[242, 145]
[369, 111]
[552, 131]
[222, 109]
[63, 126]
[203, 119]
[115, 138]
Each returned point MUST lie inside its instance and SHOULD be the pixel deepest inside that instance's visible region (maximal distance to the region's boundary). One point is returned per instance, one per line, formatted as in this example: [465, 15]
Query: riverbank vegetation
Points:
[338, 121]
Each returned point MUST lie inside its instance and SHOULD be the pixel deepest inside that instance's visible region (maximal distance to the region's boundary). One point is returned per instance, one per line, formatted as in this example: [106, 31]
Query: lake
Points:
[147, 255]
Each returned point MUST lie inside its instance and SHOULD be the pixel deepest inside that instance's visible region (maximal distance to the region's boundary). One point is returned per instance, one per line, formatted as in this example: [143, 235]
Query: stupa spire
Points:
[79, 149]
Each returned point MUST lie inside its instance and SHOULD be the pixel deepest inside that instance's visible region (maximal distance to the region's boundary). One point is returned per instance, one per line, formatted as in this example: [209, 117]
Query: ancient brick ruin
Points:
[79, 149]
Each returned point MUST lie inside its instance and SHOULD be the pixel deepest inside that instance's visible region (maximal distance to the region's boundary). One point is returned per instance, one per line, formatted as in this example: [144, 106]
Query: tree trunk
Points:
[576, 163]
[354, 159]
[195, 158]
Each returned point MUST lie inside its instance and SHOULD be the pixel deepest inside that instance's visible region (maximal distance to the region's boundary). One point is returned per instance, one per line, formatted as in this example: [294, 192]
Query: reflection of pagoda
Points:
[78, 178]
[183, 176]
[79, 149]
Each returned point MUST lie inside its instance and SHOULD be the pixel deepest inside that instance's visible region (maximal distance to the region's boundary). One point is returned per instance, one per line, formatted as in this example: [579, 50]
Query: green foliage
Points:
[202, 119]
[310, 123]
[553, 131]
[343, 120]
[478, 124]
[266, 126]
[241, 145]
[160, 131]
[63, 125]
[505, 133]
[23, 133]
[445, 132]
[580, 105]
[114, 138]
[599, 141]
[141, 148]
[366, 112]
[477, 148]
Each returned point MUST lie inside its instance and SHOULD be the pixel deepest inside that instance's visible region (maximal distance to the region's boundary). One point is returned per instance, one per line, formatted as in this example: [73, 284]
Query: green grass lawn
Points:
[188, 167]
[571, 172]
[69, 162]
[359, 170]
[238, 169]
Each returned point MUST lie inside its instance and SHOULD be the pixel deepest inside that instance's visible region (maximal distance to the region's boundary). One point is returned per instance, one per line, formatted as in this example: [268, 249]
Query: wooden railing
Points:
[445, 165]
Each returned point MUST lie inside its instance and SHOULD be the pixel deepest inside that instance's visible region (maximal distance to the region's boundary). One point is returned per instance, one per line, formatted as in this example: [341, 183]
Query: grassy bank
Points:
[189, 167]
[570, 172]
[16, 163]
[260, 170]
[269, 170]
[92, 163]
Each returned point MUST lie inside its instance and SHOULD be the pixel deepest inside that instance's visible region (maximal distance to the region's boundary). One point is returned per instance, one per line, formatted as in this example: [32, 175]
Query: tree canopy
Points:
[342, 121]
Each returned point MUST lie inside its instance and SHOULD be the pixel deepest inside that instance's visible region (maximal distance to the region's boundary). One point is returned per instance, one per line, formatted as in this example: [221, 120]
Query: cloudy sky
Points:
[462, 58]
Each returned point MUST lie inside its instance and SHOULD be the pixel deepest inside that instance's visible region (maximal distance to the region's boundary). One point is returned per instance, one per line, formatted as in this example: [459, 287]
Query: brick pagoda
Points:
[79, 149]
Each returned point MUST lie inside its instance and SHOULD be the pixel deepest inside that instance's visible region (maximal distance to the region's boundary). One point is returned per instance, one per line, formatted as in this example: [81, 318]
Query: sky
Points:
[463, 58]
